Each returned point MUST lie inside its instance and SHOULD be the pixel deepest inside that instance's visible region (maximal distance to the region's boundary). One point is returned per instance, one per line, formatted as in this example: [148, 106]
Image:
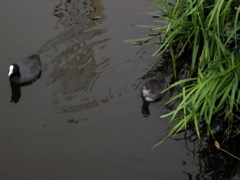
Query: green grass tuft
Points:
[209, 31]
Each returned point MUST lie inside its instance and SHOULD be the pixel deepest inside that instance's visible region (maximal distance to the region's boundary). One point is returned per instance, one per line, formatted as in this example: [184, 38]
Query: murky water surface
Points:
[83, 118]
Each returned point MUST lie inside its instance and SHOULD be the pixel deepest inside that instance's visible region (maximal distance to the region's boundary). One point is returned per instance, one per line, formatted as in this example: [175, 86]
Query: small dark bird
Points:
[152, 88]
[25, 70]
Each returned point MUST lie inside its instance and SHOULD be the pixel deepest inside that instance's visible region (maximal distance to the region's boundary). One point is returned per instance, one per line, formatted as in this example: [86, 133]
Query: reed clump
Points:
[209, 32]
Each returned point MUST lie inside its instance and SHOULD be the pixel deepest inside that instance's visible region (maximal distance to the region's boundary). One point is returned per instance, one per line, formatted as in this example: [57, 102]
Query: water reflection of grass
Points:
[73, 69]
[212, 162]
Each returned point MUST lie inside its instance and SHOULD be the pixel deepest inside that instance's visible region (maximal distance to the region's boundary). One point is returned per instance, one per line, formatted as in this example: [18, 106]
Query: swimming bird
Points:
[152, 88]
[25, 70]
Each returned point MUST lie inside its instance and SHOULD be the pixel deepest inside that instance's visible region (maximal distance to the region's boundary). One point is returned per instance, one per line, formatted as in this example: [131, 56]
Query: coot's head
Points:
[150, 96]
[13, 70]
[152, 88]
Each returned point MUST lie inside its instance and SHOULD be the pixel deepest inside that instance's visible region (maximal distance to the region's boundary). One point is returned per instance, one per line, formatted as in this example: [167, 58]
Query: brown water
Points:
[82, 119]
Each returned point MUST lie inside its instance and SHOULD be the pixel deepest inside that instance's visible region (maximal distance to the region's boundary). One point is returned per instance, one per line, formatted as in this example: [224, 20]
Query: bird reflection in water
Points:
[16, 89]
[16, 93]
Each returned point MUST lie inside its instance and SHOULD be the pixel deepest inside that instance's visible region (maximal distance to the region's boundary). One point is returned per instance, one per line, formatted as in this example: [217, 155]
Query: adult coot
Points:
[152, 88]
[25, 70]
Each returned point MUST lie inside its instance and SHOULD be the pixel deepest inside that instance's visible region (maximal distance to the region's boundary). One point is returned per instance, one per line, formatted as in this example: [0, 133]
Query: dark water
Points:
[83, 118]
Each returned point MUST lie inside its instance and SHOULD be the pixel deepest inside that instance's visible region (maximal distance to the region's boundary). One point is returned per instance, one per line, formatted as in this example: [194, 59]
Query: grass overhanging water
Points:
[209, 32]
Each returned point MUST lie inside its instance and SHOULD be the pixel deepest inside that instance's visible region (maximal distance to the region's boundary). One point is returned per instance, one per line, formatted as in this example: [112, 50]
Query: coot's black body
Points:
[25, 70]
[152, 88]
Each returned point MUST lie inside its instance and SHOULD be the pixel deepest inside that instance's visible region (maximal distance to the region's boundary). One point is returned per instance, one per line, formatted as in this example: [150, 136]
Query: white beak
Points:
[10, 70]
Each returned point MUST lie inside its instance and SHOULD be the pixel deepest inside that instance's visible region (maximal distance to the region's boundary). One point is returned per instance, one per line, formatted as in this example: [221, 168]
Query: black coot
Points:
[25, 70]
[152, 88]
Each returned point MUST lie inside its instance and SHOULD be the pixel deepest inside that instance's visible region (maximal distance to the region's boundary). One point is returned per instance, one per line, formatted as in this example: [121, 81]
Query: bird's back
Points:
[29, 68]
